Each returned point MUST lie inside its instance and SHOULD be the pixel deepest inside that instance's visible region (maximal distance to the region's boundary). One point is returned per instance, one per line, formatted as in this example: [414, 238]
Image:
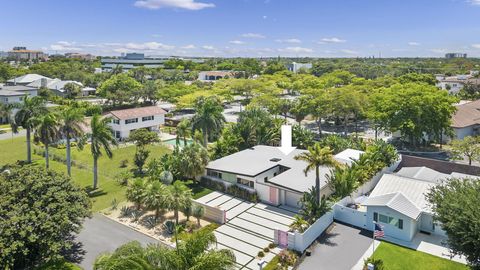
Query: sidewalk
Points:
[366, 255]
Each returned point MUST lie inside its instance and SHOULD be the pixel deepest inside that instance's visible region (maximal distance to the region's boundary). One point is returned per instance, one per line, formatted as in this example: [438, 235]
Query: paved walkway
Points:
[101, 234]
[249, 228]
[339, 249]
[9, 135]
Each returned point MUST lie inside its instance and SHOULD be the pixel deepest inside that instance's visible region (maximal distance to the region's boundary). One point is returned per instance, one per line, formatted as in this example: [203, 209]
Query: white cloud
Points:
[189, 47]
[413, 43]
[289, 40]
[183, 4]
[252, 35]
[264, 17]
[65, 46]
[236, 42]
[476, 46]
[348, 51]
[331, 40]
[208, 47]
[296, 50]
[148, 46]
[438, 50]
[474, 2]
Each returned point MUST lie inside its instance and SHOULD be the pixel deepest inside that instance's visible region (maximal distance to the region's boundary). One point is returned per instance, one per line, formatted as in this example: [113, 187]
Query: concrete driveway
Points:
[339, 249]
[249, 228]
[101, 234]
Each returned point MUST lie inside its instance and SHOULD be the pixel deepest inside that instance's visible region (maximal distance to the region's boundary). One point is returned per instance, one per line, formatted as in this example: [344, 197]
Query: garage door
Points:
[292, 199]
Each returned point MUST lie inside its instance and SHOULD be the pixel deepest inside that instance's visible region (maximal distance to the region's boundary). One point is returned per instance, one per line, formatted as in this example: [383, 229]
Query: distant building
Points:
[81, 56]
[25, 79]
[455, 55]
[295, 67]
[57, 86]
[466, 120]
[21, 53]
[210, 76]
[125, 121]
[3, 54]
[130, 61]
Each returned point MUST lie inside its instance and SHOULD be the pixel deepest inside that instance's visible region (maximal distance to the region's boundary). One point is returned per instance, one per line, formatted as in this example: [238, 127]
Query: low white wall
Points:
[214, 214]
[301, 241]
[350, 216]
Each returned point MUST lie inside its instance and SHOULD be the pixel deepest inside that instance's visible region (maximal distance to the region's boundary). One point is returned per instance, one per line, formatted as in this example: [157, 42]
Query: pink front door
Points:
[282, 238]
[274, 196]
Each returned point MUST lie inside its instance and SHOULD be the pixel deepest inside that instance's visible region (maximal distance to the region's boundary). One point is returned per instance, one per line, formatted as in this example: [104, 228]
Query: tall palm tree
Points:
[71, 128]
[46, 132]
[29, 109]
[299, 224]
[183, 131]
[315, 157]
[155, 198]
[101, 138]
[194, 252]
[208, 116]
[180, 197]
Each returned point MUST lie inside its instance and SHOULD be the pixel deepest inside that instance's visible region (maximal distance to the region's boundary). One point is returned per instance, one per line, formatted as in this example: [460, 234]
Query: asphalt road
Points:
[340, 249]
[101, 234]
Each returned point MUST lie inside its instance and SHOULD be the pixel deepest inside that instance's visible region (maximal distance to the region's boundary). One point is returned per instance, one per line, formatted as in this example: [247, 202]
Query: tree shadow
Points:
[92, 193]
[326, 239]
[76, 252]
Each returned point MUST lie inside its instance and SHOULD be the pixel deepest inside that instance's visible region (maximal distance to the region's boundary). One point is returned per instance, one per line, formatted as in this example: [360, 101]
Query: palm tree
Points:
[136, 192]
[155, 198]
[101, 137]
[194, 252]
[6, 112]
[299, 224]
[30, 108]
[197, 212]
[194, 158]
[46, 132]
[180, 197]
[71, 127]
[315, 157]
[208, 116]
[183, 131]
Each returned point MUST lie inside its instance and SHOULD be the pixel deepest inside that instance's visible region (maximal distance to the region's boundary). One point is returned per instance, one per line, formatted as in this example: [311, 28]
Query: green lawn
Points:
[15, 149]
[398, 258]
[198, 190]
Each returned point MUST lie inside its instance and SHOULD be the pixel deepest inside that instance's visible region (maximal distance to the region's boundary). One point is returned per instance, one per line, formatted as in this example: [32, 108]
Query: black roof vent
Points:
[275, 159]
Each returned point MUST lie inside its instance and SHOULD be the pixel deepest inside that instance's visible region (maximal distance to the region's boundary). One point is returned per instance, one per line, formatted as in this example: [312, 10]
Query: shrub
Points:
[126, 211]
[114, 204]
[271, 245]
[266, 250]
[261, 254]
[169, 226]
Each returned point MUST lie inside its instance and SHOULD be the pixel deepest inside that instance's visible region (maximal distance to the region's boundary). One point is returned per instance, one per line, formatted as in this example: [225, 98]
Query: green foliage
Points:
[140, 158]
[312, 208]
[468, 147]
[191, 253]
[302, 137]
[190, 162]
[343, 180]
[119, 88]
[142, 137]
[338, 143]
[197, 212]
[455, 204]
[136, 192]
[208, 117]
[44, 233]
[377, 263]
[299, 224]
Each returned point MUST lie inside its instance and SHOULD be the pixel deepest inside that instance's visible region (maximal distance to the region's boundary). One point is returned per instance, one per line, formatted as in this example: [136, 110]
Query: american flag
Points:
[378, 233]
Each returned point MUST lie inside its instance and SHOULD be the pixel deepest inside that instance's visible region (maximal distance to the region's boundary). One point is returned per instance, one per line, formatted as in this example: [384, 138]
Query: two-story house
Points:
[125, 121]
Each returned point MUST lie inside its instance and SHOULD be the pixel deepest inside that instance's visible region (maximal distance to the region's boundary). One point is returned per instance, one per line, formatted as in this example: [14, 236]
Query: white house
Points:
[25, 79]
[277, 178]
[55, 85]
[454, 84]
[211, 76]
[125, 121]
[398, 202]
[466, 120]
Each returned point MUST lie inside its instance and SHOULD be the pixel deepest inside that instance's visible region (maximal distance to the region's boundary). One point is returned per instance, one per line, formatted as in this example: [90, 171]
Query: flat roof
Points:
[256, 160]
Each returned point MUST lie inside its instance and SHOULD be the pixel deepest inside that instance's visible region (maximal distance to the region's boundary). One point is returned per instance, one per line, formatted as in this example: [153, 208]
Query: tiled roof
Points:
[137, 112]
[467, 114]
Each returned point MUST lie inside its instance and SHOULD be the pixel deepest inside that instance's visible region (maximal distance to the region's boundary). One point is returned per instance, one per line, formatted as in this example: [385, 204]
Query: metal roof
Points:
[396, 201]
[423, 173]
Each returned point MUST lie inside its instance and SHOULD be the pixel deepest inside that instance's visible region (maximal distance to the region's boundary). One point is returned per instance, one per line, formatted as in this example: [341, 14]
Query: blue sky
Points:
[323, 28]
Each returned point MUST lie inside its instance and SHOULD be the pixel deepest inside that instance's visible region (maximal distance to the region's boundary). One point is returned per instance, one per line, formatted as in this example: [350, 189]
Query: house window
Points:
[6, 99]
[274, 174]
[265, 179]
[245, 182]
[147, 118]
[130, 121]
[391, 220]
[116, 121]
[214, 174]
[375, 216]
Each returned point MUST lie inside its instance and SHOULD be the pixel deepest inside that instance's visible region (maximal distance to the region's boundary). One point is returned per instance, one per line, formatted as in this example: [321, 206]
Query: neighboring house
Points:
[14, 94]
[128, 120]
[26, 79]
[277, 178]
[211, 76]
[466, 120]
[454, 84]
[295, 67]
[398, 202]
[81, 56]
